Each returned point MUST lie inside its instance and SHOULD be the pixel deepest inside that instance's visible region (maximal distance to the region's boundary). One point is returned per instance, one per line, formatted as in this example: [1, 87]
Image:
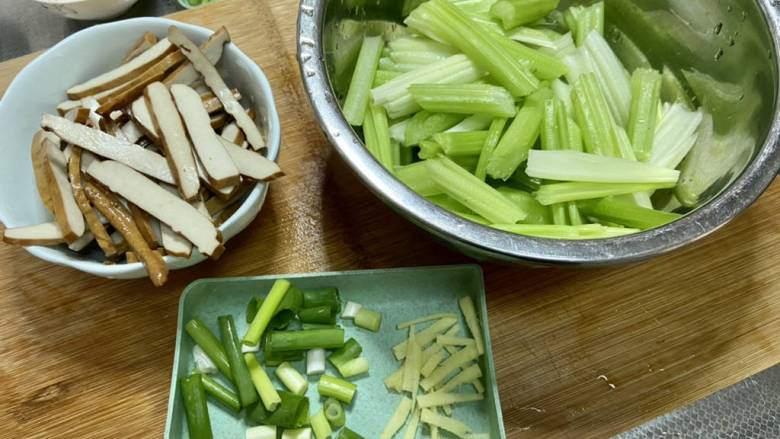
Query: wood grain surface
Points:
[84, 357]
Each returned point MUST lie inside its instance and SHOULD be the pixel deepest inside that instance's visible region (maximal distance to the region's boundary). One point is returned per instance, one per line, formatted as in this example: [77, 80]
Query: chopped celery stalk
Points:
[320, 425]
[465, 376]
[593, 116]
[549, 128]
[586, 231]
[194, 396]
[261, 432]
[562, 92]
[350, 309]
[575, 218]
[614, 80]
[583, 167]
[425, 124]
[334, 412]
[575, 136]
[428, 318]
[431, 363]
[673, 90]
[512, 149]
[675, 136]
[383, 76]
[467, 143]
[346, 433]
[210, 345]
[429, 149]
[368, 319]
[293, 412]
[266, 311]
[417, 44]
[280, 341]
[398, 419]
[220, 393]
[629, 54]
[464, 99]
[474, 122]
[513, 13]
[315, 361]
[412, 364]
[536, 37]
[389, 64]
[491, 141]
[441, 398]
[377, 136]
[446, 423]
[473, 192]
[537, 214]
[542, 65]
[416, 57]
[349, 351]
[266, 390]
[582, 20]
[562, 192]
[324, 296]
[242, 378]
[441, 20]
[627, 214]
[426, 335]
[341, 390]
[466, 305]
[521, 180]
[416, 176]
[414, 423]
[291, 378]
[646, 95]
[354, 367]
[456, 68]
[456, 360]
[362, 79]
[559, 214]
[202, 361]
[300, 433]
[398, 131]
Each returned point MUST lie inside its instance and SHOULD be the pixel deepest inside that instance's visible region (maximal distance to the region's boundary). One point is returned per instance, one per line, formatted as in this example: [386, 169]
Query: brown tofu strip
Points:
[174, 243]
[66, 210]
[216, 203]
[37, 153]
[145, 43]
[123, 73]
[156, 201]
[105, 145]
[131, 258]
[212, 78]
[178, 149]
[139, 112]
[39, 234]
[212, 48]
[232, 133]
[251, 164]
[212, 104]
[119, 217]
[142, 221]
[93, 222]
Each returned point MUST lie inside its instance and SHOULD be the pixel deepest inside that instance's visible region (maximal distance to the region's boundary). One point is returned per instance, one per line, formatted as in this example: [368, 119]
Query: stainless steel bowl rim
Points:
[500, 245]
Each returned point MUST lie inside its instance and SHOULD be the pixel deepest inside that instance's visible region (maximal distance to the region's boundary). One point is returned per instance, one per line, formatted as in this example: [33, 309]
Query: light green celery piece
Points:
[473, 193]
[464, 99]
[398, 130]
[467, 162]
[535, 37]
[491, 141]
[562, 92]
[369, 135]
[429, 149]
[646, 95]
[629, 54]
[381, 134]
[584, 167]
[627, 214]
[461, 144]
[593, 116]
[473, 218]
[396, 148]
[612, 77]
[549, 130]
[415, 58]
[448, 203]
[513, 13]
[537, 214]
[475, 122]
[416, 43]
[425, 124]
[443, 21]
[549, 194]
[585, 231]
[582, 20]
[675, 136]
[543, 65]
[383, 76]
[362, 79]
[512, 149]
[559, 214]
[575, 218]
[575, 136]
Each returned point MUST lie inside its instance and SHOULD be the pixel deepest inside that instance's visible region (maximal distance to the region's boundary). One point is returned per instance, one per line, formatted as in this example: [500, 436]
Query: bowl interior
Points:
[41, 86]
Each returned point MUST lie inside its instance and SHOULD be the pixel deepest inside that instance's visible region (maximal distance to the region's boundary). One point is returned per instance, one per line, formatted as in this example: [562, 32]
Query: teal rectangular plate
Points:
[399, 294]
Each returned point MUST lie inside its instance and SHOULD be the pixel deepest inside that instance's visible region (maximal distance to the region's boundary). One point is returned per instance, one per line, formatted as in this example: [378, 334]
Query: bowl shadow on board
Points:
[556, 299]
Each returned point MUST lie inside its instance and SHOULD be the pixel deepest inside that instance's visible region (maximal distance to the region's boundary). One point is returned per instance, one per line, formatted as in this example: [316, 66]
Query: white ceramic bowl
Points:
[87, 9]
[41, 85]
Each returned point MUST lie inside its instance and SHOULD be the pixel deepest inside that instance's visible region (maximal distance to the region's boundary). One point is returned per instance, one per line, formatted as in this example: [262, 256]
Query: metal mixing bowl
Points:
[733, 40]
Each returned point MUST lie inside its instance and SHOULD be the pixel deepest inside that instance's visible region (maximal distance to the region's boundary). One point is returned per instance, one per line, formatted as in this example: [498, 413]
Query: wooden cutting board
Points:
[579, 353]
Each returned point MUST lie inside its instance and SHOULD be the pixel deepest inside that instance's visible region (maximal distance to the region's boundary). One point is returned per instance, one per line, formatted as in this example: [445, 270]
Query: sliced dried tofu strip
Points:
[66, 211]
[123, 73]
[135, 87]
[132, 131]
[94, 223]
[37, 153]
[39, 234]
[142, 221]
[225, 192]
[212, 104]
[212, 48]
[141, 115]
[81, 243]
[216, 203]
[232, 133]
[156, 201]
[105, 145]
[251, 164]
[143, 44]
[108, 204]
[217, 84]
[178, 149]
[174, 243]
[216, 161]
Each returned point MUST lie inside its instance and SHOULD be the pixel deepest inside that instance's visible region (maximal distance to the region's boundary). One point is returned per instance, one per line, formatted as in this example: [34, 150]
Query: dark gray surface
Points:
[749, 409]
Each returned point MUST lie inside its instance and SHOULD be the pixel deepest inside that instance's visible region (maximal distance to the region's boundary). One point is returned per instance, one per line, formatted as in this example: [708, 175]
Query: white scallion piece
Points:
[315, 361]
[202, 361]
[246, 348]
[291, 378]
[350, 309]
[261, 432]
